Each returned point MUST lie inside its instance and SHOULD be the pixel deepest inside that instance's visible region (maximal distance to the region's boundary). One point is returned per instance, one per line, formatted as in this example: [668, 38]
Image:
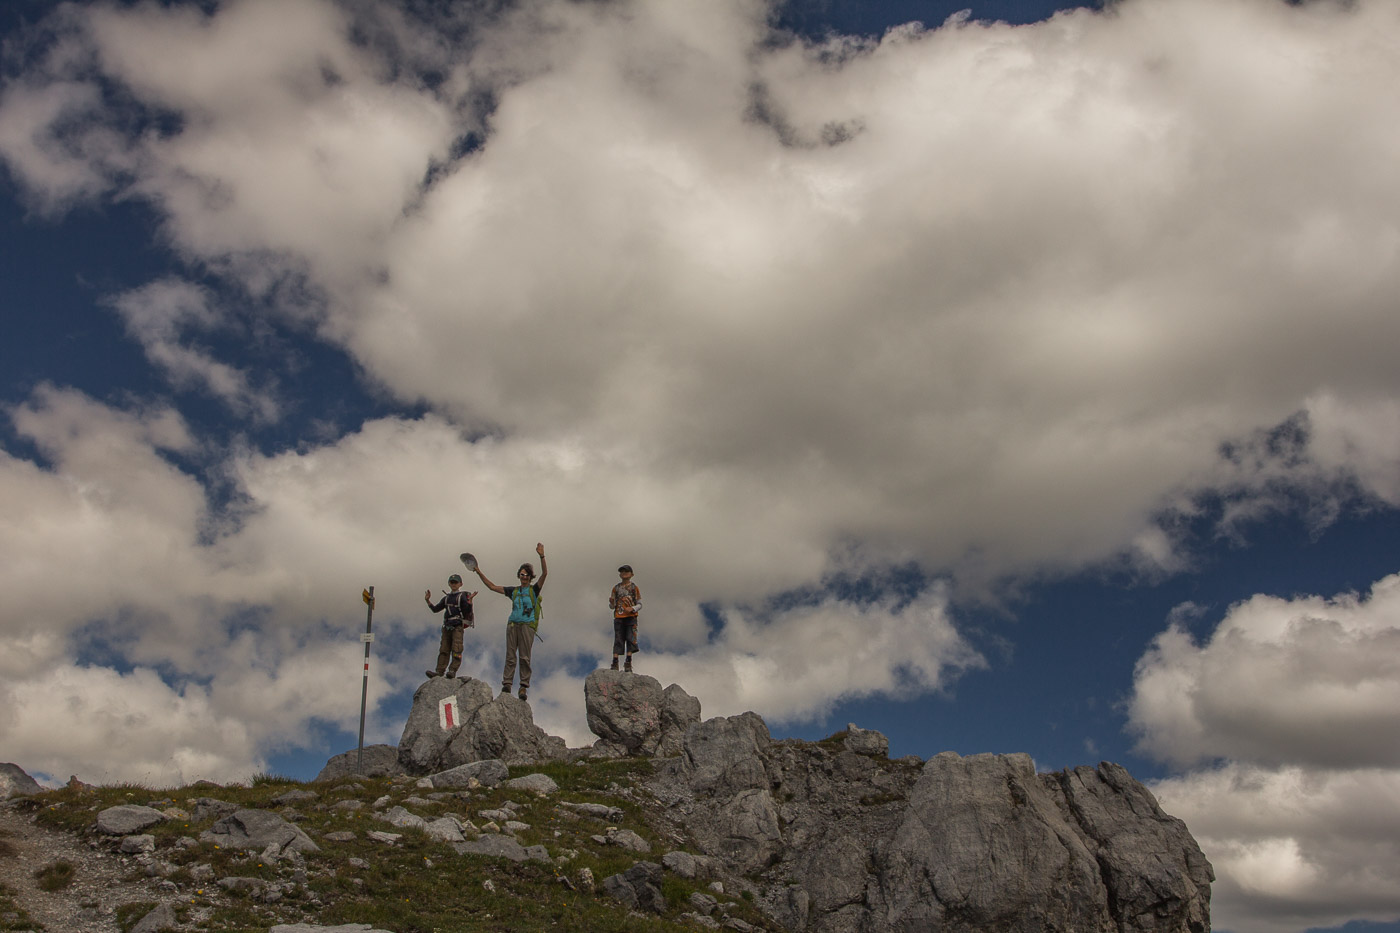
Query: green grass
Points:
[12, 916]
[57, 875]
[128, 915]
[418, 885]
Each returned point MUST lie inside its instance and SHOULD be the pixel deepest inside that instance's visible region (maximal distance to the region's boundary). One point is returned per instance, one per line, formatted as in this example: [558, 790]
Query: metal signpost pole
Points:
[368, 639]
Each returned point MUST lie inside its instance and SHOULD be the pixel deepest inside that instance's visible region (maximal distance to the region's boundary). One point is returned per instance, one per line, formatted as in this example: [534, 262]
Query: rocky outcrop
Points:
[847, 840]
[632, 715]
[456, 722]
[833, 836]
[378, 761]
[16, 782]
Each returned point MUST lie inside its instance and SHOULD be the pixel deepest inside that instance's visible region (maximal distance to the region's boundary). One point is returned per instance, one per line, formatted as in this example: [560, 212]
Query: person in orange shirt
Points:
[626, 602]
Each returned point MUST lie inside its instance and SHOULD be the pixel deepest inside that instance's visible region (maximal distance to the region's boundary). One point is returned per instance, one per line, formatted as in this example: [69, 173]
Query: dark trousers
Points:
[625, 635]
[450, 650]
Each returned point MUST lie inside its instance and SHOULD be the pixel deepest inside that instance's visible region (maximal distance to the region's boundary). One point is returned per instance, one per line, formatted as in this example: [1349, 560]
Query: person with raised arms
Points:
[524, 621]
[458, 606]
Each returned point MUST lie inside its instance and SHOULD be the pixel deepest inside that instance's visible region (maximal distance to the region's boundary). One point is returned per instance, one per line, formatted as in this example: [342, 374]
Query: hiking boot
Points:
[614, 667]
[451, 675]
[524, 693]
[432, 673]
[505, 691]
[628, 666]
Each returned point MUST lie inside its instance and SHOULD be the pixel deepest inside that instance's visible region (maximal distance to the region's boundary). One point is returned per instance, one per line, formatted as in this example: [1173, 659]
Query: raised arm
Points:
[544, 564]
[488, 584]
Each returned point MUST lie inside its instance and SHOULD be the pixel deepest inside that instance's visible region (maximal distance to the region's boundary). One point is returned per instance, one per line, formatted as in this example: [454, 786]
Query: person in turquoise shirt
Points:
[523, 622]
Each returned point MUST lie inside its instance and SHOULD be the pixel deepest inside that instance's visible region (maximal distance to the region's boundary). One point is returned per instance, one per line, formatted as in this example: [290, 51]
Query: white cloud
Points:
[1298, 699]
[264, 610]
[159, 314]
[1294, 848]
[1005, 320]
[1307, 681]
[990, 300]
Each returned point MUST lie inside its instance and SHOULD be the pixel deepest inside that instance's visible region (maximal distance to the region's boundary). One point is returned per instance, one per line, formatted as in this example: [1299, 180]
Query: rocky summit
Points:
[479, 821]
[838, 837]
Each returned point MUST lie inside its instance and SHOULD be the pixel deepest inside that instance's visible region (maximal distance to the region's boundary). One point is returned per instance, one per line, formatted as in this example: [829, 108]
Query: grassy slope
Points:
[418, 885]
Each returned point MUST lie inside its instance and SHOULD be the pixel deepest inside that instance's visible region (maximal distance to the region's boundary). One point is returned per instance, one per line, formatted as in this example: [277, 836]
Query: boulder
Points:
[127, 819]
[445, 829]
[865, 741]
[14, 782]
[639, 887]
[501, 847]
[486, 773]
[257, 829]
[632, 714]
[401, 818]
[211, 808]
[540, 784]
[456, 722]
[161, 917]
[379, 761]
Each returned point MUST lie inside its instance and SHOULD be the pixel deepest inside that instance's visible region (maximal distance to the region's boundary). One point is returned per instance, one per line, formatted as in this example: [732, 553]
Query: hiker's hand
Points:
[539, 549]
[471, 595]
[427, 596]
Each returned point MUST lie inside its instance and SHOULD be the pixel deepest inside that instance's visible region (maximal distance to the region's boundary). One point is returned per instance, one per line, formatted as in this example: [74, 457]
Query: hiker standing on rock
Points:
[458, 606]
[625, 601]
[524, 620]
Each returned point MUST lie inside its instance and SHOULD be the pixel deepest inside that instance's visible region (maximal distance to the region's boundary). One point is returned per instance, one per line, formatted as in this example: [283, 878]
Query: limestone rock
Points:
[161, 917]
[398, 816]
[502, 847]
[596, 810]
[15, 782]
[723, 757]
[632, 713]
[1154, 871]
[847, 840]
[379, 761]
[456, 722]
[639, 887]
[866, 741]
[682, 863]
[541, 784]
[445, 829]
[127, 819]
[487, 773]
[211, 808]
[257, 829]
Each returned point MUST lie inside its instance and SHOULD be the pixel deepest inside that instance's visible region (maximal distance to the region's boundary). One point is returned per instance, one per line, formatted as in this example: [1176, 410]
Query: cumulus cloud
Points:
[253, 611]
[1291, 705]
[1309, 681]
[747, 311]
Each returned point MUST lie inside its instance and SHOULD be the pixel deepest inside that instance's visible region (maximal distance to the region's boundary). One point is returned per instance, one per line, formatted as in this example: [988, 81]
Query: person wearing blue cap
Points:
[458, 606]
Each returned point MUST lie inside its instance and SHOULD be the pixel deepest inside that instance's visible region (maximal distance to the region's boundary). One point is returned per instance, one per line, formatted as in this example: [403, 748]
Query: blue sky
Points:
[1018, 382]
